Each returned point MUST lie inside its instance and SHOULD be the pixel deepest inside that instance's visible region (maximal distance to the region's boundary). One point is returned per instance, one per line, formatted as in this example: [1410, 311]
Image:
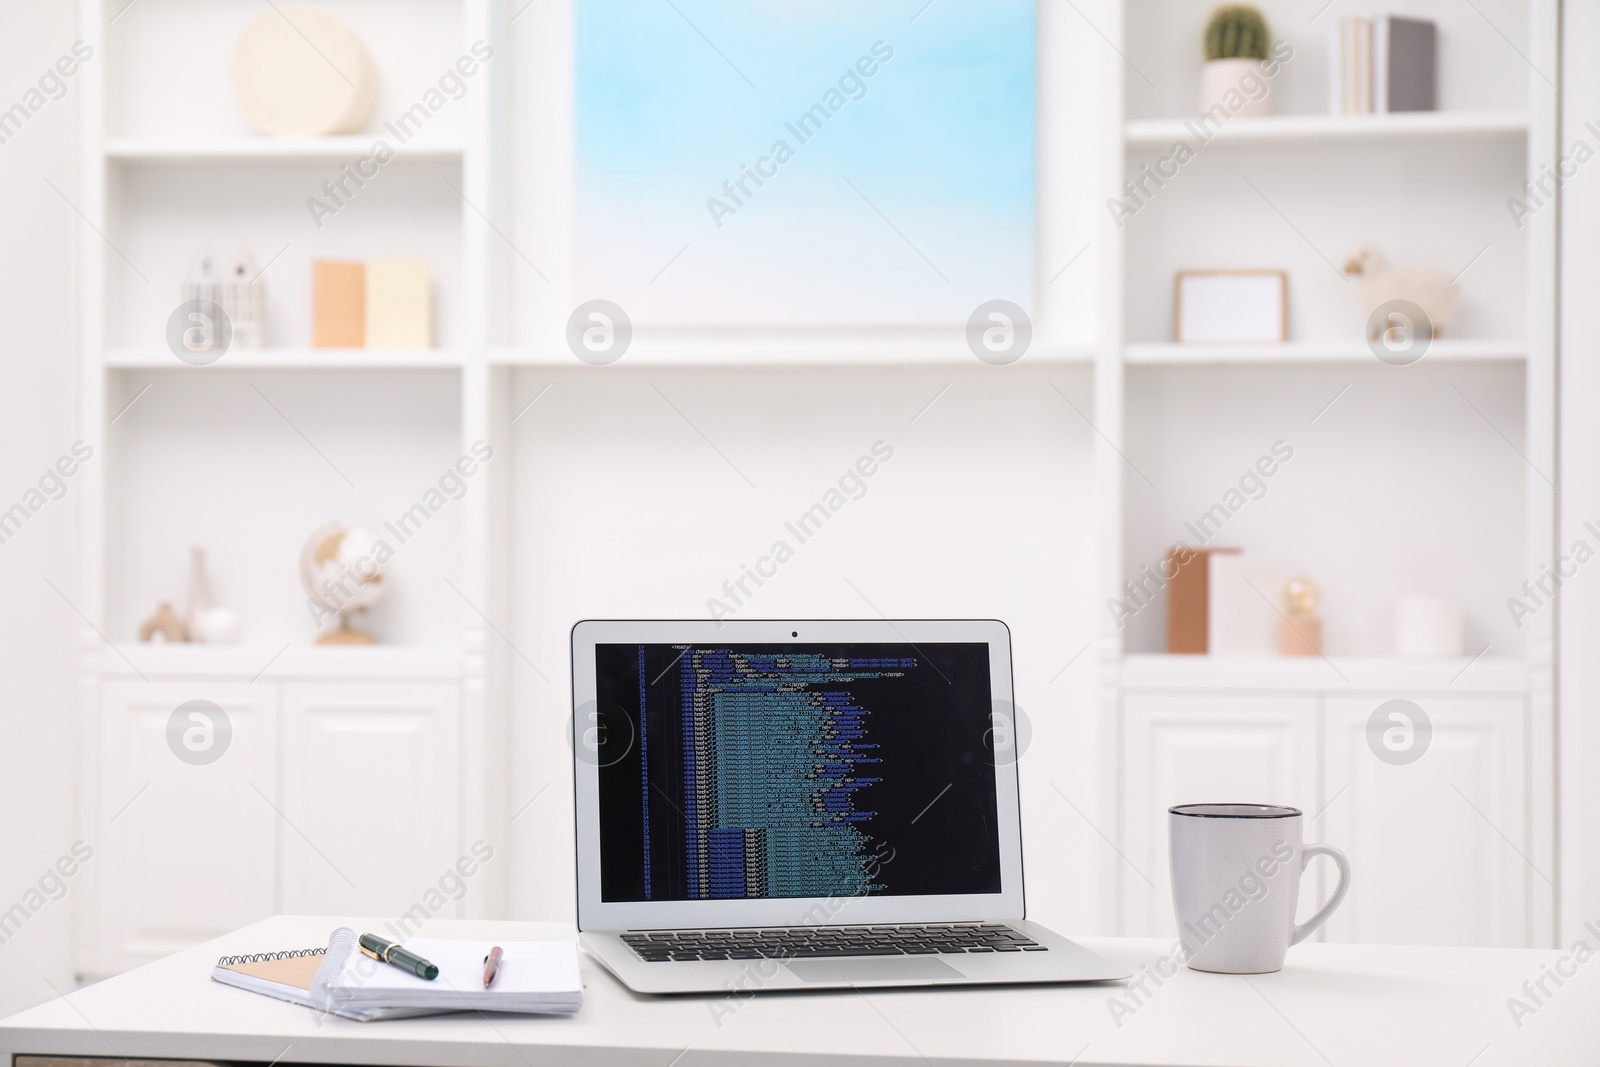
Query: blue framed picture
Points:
[761, 162]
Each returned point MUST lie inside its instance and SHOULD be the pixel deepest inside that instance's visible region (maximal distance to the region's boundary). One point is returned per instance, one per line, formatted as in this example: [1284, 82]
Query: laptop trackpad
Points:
[874, 969]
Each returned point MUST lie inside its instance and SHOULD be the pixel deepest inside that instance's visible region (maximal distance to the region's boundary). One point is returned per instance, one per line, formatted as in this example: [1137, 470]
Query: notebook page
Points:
[526, 967]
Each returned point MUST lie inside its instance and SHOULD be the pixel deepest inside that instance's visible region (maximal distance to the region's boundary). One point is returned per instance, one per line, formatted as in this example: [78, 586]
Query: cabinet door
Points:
[183, 837]
[1437, 846]
[369, 799]
[1181, 749]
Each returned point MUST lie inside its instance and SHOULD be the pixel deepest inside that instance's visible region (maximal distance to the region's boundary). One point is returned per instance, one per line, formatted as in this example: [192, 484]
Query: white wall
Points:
[37, 334]
[623, 510]
[987, 509]
[1579, 672]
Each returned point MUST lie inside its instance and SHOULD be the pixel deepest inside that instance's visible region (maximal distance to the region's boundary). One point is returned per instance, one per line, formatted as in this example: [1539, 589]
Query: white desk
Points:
[1334, 1006]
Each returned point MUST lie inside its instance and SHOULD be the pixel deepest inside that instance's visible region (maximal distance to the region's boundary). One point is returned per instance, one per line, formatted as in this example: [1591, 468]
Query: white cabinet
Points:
[369, 789]
[1190, 749]
[331, 795]
[1439, 847]
[169, 829]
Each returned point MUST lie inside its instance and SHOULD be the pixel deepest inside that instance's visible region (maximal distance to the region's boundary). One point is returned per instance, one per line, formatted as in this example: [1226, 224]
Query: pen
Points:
[491, 965]
[396, 956]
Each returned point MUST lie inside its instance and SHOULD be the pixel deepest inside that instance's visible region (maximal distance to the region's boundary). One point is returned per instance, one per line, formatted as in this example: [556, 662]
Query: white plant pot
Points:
[1230, 81]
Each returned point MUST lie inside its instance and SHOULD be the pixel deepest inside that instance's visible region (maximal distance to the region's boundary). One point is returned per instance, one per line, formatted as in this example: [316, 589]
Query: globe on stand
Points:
[340, 570]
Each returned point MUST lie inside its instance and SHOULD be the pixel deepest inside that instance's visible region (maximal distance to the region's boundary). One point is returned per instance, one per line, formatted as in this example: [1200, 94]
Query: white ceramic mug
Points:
[1235, 883]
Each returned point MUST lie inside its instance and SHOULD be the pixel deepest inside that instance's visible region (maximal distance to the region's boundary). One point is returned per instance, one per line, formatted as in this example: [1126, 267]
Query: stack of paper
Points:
[536, 977]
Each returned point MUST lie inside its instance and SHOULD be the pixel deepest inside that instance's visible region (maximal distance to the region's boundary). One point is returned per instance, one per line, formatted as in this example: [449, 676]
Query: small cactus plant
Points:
[1236, 31]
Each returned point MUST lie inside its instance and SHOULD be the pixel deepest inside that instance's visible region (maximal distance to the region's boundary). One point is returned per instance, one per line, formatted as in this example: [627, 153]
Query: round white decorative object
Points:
[1427, 627]
[217, 626]
[300, 72]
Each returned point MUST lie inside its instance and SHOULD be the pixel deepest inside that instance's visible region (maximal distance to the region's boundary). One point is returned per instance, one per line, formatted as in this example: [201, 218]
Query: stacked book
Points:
[1382, 64]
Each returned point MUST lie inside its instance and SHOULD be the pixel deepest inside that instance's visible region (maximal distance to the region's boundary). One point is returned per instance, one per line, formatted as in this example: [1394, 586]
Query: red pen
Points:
[491, 965]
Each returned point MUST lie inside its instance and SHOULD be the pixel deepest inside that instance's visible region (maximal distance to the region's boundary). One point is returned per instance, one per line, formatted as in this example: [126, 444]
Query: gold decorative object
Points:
[164, 625]
[1301, 632]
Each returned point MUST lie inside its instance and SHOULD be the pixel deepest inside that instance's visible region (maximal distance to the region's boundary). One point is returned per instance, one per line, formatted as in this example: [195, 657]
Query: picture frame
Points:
[692, 157]
[1231, 307]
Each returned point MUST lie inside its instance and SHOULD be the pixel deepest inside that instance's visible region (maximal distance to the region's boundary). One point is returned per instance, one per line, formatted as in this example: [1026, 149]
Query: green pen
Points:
[391, 953]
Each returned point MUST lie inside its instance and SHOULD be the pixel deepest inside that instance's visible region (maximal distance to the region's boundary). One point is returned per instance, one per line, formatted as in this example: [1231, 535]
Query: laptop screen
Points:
[743, 771]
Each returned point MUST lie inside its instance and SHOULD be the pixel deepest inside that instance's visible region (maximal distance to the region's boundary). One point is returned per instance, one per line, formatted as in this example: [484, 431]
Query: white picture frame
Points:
[1231, 307]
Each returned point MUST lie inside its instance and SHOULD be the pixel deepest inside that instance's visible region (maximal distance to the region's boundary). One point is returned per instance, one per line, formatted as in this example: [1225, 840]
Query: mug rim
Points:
[1240, 811]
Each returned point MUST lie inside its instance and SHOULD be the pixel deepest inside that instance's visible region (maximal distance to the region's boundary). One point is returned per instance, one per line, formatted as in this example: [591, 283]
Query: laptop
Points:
[769, 805]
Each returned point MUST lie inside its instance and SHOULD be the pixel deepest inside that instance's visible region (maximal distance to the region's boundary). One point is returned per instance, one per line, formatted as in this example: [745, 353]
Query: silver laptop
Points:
[783, 805]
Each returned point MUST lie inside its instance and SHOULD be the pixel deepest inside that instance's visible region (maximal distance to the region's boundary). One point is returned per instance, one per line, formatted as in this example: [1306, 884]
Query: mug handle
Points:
[1309, 927]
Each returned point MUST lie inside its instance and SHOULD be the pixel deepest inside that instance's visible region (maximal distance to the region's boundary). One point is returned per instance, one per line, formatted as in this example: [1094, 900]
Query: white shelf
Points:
[291, 359]
[1441, 351]
[1313, 673]
[348, 147]
[798, 346]
[1331, 129]
[270, 663]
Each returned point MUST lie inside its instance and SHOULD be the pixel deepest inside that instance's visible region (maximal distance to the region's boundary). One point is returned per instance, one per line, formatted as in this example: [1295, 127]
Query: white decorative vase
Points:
[1241, 77]
[1427, 627]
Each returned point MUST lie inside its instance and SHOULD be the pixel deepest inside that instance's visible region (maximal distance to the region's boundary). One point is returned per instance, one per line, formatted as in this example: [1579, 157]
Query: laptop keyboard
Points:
[810, 942]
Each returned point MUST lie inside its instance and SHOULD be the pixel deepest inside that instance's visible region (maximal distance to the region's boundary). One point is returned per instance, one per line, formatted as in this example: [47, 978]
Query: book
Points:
[1350, 66]
[1361, 72]
[1336, 62]
[398, 311]
[1404, 64]
[1242, 617]
[1188, 599]
[536, 977]
[1383, 64]
[338, 304]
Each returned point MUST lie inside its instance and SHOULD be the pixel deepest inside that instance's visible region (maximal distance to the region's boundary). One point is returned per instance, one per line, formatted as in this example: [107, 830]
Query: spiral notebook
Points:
[538, 977]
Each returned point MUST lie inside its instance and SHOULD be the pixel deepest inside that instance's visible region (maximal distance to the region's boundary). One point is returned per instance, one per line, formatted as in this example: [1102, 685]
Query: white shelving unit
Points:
[795, 348]
[1330, 129]
[125, 359]
[1440, 351]
[1175, 416]
[269, 441]
[180, 449]
[1311, 674]
[159, 149]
